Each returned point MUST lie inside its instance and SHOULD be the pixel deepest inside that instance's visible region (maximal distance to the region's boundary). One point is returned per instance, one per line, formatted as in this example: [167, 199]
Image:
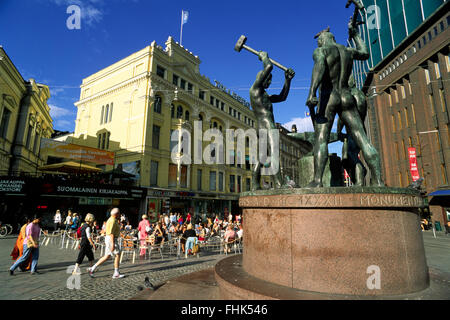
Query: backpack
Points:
[79, 231]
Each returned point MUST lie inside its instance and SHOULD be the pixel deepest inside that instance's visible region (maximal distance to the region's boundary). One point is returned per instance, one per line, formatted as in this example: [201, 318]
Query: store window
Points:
[154, 173]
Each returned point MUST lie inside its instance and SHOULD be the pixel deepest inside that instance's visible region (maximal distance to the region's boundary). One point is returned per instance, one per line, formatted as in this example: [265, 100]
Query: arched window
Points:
[106, 113]
[172, 111]
[179, 112]
[215, 124]
[157, 105]
[200, 118]
[186, 116]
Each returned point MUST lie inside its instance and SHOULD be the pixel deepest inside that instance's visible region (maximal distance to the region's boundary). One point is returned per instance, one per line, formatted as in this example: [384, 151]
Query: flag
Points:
[185, 16]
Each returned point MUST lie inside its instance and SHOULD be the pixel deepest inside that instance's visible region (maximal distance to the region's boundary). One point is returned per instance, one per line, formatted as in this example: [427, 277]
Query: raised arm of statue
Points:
[266, 72]
[289, 75]
[361, 52]
[317, 76]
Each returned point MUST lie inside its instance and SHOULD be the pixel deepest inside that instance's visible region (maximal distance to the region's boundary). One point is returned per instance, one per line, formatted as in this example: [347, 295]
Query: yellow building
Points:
[24, 120]
[133, 106]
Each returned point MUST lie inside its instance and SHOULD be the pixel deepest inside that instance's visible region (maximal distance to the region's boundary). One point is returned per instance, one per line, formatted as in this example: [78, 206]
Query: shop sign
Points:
[96, 191]
[12, 185]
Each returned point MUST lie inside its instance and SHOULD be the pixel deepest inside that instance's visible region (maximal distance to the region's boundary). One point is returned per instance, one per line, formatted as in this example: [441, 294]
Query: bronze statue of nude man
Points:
[261, 103]
[332, 69]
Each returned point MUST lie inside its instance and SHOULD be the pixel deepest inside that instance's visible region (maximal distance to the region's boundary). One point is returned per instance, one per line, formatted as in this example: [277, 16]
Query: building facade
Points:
[25, 120]
[134, 108]
[408, 96]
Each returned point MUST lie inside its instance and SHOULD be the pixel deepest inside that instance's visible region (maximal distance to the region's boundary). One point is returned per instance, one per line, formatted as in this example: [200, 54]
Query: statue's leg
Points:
[353, 121]
[322, 135]
[276, 178]
[256, 177]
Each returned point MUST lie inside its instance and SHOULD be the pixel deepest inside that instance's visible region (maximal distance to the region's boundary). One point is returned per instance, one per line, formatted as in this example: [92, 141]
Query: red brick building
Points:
[408, 98]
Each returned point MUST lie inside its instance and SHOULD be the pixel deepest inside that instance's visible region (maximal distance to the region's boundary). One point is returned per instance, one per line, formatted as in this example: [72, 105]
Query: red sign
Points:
[413, 164]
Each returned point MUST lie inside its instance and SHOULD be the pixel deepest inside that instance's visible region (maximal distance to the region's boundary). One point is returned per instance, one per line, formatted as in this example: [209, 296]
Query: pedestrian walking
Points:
[17, 251]
[86, 244]
[30, 246]
[68, 221]
[112, 248]
[57, 220]
[144, 230]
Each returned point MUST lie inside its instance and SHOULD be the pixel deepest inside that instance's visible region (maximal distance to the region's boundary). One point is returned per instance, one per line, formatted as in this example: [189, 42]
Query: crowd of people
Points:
[190, 230]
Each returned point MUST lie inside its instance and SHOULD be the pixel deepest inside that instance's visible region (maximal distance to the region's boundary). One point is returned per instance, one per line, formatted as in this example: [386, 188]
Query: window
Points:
[5, 123]
[110, 112]
[201, 94]
[103, 140]
[427, 76]
[413, 113]
[200, 117]
[183, 178]
[222, 106]
[103, 113]
[447, 62]
[211, 100]
[239, 178]
[172, 111]
[405, 153]
[106, 113]
[397, 152]
[400, 179]
[199, 179]
[444, 175]
[212, 181]
[155, 136]
[402, 88]
[430, 98]
[248, 184]
[443, 101]
[154, 173]
[406, 117]
[190, 87]
[438, 71]
[179, 112]
[232, 183]
[221, 181]
[393, 123]
[175, 80]
[173, 169]
[157, 104]
[160, 71]
[186, 115]
[183, 84]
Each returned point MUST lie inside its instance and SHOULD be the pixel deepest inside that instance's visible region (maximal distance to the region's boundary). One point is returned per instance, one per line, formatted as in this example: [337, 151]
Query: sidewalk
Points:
[53, 263]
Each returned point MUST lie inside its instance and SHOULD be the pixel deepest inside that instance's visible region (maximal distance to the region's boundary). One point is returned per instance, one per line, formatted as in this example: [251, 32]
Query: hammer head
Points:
[357, 3]
[240, 43]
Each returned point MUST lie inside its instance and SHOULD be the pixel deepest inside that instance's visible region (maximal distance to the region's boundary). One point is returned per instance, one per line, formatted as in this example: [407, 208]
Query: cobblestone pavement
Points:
[54, 262]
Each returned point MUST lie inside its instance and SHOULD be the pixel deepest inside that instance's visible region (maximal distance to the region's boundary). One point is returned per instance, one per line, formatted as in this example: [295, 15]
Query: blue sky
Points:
[35, 36]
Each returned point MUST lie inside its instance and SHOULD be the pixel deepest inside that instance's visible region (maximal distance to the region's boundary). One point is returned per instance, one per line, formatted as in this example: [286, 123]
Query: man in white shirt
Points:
[57, 220]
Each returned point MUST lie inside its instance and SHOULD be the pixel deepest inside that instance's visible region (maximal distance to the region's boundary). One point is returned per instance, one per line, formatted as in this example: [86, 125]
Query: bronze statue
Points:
[262, 106]
[332, 69]
[350, 151]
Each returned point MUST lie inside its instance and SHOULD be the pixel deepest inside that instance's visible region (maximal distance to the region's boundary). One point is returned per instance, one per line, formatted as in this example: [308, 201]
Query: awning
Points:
[440, 193]
[70, 167]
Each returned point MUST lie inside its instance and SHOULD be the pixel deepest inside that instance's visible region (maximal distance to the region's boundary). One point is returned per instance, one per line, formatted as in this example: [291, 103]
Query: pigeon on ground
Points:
[148, 284]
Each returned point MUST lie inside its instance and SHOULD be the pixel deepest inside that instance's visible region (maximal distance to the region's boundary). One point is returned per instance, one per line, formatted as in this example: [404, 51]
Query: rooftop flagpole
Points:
[184, 19]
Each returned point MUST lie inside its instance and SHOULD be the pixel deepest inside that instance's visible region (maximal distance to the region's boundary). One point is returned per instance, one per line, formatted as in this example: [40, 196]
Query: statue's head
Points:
[325, 37]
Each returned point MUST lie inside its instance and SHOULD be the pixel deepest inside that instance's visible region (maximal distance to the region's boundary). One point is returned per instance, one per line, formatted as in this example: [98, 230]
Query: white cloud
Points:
[64, 125]
[303, 124]
[57, 112]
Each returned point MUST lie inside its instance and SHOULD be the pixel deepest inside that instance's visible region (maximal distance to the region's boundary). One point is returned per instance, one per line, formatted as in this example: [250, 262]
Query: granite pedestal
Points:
[362, 241]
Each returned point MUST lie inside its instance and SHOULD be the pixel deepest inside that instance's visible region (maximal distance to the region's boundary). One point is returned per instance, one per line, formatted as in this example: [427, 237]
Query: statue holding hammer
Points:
[332, 69]
[262, 106]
